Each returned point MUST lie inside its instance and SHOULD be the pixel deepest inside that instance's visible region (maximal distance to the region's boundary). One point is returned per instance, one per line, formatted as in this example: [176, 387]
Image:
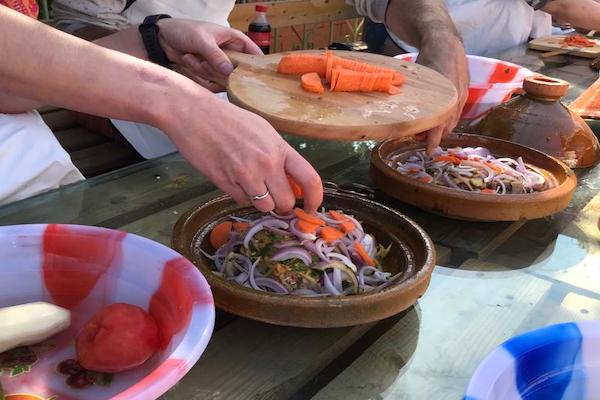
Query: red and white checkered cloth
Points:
[27, 7]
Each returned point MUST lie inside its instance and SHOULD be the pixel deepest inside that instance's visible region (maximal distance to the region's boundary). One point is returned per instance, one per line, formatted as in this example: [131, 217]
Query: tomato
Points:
[119, 337]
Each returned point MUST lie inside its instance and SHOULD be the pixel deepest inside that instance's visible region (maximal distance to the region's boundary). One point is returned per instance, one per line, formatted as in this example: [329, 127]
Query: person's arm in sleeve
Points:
[579, 13]
[68, 72]
[426, 24]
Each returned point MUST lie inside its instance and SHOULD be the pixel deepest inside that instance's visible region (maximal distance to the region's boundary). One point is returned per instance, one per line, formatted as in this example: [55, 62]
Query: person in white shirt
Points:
[62, 70]
[423, 23]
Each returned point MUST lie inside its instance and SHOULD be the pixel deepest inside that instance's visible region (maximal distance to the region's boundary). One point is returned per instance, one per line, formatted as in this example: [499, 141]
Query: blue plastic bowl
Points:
[559, 362]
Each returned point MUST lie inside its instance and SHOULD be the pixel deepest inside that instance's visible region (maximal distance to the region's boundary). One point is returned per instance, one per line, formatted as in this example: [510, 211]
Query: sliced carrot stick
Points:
[393, 90]
[296, 188]
[383, 81]
[338, 216]
[220, 234]
[328, 65]
[335, 74]
[452, 159]
[347, 226]
[330, 234]
[311, 82]
[363, 253]
[311, 219]
[241, 226]
[306, 226]
[300, 64]
[352, 81]
[398, 79]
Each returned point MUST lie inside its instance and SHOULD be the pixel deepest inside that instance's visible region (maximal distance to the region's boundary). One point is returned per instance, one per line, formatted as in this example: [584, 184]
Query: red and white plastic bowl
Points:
[85, 268]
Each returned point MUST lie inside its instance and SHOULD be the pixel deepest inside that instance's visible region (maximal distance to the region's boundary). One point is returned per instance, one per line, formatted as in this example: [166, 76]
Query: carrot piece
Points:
[296, 188]
[306, 226]
[300, 64]
[425, 179]
[335, 74]
[488, 191]
[393, 90]
[330, 234]
[338, 216]
[363, 253]
[328, 65]
[398, 79]
[493, 167]
[356, 81]
[347, 226]
[220, 234]
[452, 159]
[311, 219]
[383, 81]
[241, 226]
[312, 83]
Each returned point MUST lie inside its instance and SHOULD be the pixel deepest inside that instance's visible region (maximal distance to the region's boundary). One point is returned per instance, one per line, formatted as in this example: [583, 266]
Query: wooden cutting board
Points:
[426, 100]
[556, 43]
[587, 105]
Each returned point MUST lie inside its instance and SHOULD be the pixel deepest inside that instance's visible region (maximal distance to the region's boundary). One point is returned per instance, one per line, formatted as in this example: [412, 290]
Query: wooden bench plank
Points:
[102, 158]
[78, 138]
[59, 119]
[288, 13]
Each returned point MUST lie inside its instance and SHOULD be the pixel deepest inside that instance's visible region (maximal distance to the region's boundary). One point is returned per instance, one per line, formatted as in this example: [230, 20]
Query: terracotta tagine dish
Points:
[539, 120]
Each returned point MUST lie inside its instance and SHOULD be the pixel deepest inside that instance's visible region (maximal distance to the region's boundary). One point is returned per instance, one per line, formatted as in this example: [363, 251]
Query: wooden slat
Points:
[59, 119]
[287, 13]
[102, 158]
[78, 138]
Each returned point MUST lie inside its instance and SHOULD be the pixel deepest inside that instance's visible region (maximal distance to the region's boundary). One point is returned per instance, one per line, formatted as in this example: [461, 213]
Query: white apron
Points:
[31, 159]
[491, 26]
[147, 140]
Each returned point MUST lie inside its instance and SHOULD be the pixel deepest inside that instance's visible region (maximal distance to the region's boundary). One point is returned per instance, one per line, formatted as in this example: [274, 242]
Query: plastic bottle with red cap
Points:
[259, 29]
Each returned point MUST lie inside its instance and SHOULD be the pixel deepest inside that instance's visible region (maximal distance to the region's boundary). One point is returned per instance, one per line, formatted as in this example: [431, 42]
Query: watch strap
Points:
[149, 32]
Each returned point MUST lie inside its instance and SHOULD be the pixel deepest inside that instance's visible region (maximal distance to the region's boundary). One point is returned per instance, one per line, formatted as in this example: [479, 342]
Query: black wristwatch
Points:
[149, 31]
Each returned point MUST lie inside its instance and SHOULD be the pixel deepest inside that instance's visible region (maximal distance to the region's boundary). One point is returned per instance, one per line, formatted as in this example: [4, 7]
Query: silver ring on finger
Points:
[261, 197]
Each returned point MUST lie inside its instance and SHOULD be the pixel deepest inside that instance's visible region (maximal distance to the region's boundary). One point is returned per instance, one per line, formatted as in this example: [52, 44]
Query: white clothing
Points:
[31, 159]
[71, 15]
[215, 11]
[486, 26]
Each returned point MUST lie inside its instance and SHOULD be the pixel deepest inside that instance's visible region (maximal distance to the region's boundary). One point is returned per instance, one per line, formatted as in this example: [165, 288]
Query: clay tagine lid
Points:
[545, 88]
[539, 120]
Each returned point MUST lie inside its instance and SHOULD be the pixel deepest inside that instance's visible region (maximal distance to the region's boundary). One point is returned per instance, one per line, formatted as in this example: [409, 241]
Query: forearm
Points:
[128, 41]
[62, 70]
[419, 22]
[580, 13]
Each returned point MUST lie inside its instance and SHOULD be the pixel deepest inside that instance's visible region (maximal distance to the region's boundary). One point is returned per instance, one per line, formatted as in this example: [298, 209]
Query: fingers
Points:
[206, 83]
[306, 176]
[242, 43]
[259, 195]
[434, 137]
[210, 51]
[281, 192]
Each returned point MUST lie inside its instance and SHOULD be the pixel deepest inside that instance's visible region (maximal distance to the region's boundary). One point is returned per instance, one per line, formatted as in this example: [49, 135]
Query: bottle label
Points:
[260, 38]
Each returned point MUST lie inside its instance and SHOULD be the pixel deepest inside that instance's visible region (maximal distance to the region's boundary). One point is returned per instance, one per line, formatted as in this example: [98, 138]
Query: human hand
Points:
[242, 154]
[446, 55]
[196, 49]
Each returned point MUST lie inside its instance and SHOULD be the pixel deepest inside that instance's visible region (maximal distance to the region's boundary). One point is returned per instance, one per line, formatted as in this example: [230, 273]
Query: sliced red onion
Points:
[279, 216]
[316, 247]
[210, 257]
[238, 219]
[329, 286]
[343, 248]
[329, 220]
[343, 259]
[368, 243]
[337, 279]
[241, 278]
[272, 284]
[251, 274]
[298, 233]
[288, 253]
[245, 260]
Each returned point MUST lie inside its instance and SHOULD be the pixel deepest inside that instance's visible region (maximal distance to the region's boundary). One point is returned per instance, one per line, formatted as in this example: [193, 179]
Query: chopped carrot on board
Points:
[330, 234]
[300, 64]
[220, 234]
[311, 82]
[312, 219]
[363, 253]
[328, 65]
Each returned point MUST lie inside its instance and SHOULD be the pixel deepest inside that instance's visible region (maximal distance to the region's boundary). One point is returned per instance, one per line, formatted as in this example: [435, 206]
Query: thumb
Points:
[216, 58]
